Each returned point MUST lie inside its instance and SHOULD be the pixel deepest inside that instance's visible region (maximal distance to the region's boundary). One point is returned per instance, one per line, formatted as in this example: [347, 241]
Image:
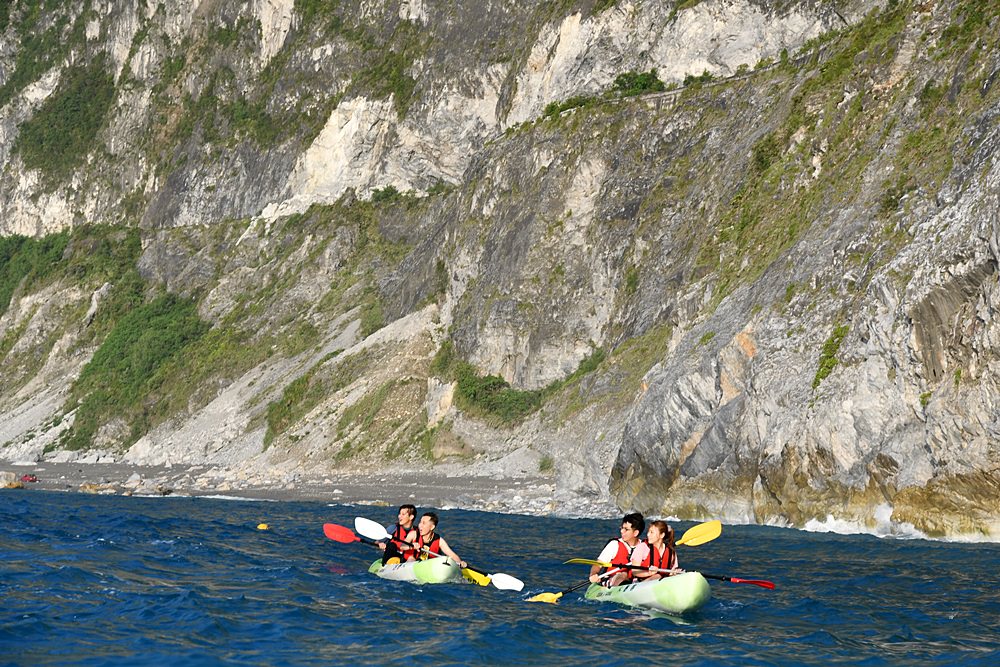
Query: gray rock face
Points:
[766, 293]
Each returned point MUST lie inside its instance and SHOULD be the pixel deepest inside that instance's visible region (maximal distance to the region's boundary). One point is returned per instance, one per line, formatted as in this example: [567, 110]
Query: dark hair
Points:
[635, 520]
[433, 517]
[411, 509]
[665, 529]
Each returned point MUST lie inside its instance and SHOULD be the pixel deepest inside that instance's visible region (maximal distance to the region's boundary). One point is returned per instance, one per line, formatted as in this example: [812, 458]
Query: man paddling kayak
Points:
[657, 550]
[432, 541]
[403, 536]
[618, 551]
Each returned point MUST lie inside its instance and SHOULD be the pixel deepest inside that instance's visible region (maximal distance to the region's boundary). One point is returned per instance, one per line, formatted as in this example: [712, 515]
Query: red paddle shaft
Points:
[735, 580]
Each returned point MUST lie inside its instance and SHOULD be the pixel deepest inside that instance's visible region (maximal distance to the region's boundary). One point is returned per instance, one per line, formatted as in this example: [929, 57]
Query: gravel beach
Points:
[430, 488]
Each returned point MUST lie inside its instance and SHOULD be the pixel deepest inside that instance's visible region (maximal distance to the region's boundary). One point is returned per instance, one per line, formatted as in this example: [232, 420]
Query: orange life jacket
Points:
[622, 557]
[398, 537]
[667, 560]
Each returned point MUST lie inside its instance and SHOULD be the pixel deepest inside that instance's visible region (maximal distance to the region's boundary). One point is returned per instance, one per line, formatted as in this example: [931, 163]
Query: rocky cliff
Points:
[731, 258]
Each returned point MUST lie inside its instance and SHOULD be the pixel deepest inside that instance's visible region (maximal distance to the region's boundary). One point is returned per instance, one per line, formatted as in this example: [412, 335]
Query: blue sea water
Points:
[98, 580]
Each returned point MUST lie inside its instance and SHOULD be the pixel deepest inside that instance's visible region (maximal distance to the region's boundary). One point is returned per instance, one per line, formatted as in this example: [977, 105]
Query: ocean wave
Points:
[884, 526]
[247, 500]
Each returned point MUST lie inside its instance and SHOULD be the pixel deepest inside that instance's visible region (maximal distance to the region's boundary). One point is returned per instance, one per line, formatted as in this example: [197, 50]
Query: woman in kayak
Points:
[619, 552]
[430, 544]
[404, 534]
[657, 551]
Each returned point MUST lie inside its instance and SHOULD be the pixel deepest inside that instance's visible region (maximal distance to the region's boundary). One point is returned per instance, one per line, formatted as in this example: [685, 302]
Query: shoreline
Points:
[430, 488]
[440, 489]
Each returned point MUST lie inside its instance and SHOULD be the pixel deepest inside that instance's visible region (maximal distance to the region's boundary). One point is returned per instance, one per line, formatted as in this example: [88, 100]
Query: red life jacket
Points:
[668, 560]
[398, 537]
[434, 545]
[623, 557]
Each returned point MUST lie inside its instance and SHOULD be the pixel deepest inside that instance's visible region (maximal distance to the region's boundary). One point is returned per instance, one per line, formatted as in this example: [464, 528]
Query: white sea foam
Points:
[249, 500]
[884, 526]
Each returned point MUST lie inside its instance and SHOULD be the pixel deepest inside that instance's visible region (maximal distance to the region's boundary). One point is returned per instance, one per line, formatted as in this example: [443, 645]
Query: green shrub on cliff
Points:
[297, 398]
[125, 370]
[362, 413]
[58, 137]
[828, 357]
[488, 395]
[43, 44]
[764, 216]
[630, 84]
[387, 195]
[371, 314]
[694, 80]
[554, 109]
[493, 395]
[26, 261]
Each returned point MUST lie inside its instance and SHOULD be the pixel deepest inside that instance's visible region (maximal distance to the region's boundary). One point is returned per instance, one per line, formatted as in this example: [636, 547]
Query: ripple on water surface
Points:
[104, 580]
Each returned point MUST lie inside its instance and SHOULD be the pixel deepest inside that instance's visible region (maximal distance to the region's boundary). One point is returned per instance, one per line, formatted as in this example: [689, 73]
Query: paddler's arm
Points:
[382, 545]
[639, 555]
[446, 550]
[409, 542]
[607, 554]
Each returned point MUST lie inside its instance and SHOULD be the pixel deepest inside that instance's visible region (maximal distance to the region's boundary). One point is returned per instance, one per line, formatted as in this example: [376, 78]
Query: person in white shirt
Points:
[618, 551]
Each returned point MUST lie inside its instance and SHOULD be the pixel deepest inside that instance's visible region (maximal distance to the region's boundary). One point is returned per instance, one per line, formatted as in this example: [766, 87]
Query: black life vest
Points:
[399, 537]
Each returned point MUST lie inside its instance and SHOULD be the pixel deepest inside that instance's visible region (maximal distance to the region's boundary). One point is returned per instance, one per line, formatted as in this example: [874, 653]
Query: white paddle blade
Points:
[505, 582]
[370, 529]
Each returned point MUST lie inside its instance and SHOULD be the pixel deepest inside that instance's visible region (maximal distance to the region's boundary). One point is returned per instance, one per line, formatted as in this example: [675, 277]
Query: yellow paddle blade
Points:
[551, 598]
[586, 561]
[475, 577]
[703, 532]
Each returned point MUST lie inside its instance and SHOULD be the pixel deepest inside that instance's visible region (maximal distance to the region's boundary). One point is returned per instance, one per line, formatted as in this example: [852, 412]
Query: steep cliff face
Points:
[760, 282]
[224, 110]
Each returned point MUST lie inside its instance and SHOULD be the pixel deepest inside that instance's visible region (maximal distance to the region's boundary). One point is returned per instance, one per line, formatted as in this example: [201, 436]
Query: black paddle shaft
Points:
[588, 581]
[576, 588]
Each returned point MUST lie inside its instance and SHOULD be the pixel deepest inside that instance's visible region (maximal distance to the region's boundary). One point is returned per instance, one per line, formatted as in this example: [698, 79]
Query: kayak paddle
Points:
[346, 535]
[692, 537]
[735, 580]
[552, 598]
[700, 534]
[506, 582]
[343, 534]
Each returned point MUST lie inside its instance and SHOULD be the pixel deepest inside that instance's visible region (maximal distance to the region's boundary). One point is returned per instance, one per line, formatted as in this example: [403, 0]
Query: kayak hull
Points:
[430, 571]
[678, 594]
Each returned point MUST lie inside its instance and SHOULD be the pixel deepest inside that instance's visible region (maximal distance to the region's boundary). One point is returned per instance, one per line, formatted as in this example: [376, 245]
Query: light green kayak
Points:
[674, 595]
[431, 571]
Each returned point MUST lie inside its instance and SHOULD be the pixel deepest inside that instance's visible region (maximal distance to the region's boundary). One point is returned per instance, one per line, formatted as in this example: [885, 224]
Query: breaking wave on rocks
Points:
[883, 526]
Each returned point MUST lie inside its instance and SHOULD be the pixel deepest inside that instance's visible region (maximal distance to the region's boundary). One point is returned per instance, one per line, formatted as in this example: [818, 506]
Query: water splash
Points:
[883, 526]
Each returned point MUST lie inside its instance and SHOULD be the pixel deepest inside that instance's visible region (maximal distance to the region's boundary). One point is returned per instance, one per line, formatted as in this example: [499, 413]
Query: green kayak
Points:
[431, 571]
[674, 595]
